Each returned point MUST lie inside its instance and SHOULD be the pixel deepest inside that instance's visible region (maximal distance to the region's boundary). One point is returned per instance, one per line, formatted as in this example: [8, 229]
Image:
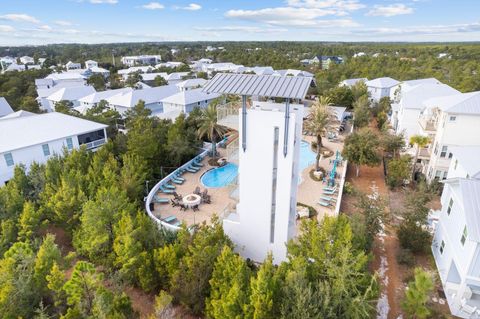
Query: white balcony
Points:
[227, 115]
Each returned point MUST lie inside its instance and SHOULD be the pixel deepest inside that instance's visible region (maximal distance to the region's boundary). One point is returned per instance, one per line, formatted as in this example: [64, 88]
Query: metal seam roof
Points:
[259, 85]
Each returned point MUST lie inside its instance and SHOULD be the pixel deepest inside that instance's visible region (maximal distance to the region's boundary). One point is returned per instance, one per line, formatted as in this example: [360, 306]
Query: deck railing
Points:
[227, 114]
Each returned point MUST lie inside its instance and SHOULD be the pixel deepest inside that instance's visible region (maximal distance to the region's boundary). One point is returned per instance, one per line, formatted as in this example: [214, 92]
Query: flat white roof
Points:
[71, 93]
[103, 95]
[65, 76]
[26, 131]
[414, 96]
[150, 95]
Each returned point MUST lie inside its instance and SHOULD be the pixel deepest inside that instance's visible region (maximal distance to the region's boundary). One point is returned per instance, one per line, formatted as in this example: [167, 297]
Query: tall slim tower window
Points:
[274, 183]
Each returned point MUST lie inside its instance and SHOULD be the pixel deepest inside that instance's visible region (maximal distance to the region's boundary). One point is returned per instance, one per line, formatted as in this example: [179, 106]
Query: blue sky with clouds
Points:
[97, 21]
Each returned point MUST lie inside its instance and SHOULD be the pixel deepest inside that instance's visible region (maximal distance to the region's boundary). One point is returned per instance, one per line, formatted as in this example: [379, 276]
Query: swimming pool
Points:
[220, 176]
[225, 175]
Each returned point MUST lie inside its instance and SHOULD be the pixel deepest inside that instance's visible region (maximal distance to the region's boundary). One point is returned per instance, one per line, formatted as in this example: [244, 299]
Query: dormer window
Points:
[450, 205]
[464, 236]
[452, 118]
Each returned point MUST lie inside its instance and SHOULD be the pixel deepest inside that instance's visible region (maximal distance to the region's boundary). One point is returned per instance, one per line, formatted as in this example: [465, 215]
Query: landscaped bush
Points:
[312, 212]
[405, 257]
[326, 152]
[348, 189]
[413, 237]
[315, 178]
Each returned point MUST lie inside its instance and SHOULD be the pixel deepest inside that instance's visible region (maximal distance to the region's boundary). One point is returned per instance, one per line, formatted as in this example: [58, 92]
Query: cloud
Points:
[45, 28]
[104, 1]
[247, 29]
[153, 6]
[6, 28]
[341, 5]
[390, 10]
[290, 16]
[19, 17]
[422, 30]
[191, 7]
[63, 23]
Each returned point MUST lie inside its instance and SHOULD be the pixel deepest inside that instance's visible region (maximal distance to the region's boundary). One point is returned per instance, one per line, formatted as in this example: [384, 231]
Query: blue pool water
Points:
[222, 176]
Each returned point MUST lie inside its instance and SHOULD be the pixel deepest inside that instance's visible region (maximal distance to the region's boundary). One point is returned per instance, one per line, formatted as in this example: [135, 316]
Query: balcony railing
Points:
[95, 144]
[428, 125]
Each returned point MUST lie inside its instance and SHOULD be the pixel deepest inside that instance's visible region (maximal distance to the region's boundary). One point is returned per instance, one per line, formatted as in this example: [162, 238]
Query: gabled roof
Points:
[42, 128]
[293, 72]
[412, 83]
[97, 69]
[152, 76]
[189, 97]
[20, 113]
[5, 108]
[259, 85]
[351, 82]
[385, 82]
[464, 103]
[102, 95]
[413, 97]
[71, 93]
[191, 83]
[65, 76]
[151, 95]
[468, 157]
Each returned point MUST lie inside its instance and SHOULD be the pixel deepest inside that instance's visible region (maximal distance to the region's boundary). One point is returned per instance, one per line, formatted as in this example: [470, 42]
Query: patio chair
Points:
[197, 191]
[330, 192]
[176, 181]
[178, 177]
[192, 170]
[322, 203]
[195, 208]
[169, 186]
[328, 188]
[174, 202]
[183, 207]
[166, 191]
[177, 196]
[195, 165]
[160, 200]
[169, 219]
[205, 197]
[327, 198]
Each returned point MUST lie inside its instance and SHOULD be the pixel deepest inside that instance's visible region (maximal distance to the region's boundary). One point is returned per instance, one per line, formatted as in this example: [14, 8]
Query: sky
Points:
[36, 22]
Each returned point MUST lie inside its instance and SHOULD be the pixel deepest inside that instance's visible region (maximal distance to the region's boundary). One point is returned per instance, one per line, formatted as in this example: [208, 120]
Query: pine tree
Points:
[48, 255]
[29, 222]
[417, 295]
[228, 286]
[264, 290]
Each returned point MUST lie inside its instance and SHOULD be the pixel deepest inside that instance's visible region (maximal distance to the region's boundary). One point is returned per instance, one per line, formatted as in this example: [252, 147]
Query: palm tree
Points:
[419, 141]
[210, 128]
[321, 115]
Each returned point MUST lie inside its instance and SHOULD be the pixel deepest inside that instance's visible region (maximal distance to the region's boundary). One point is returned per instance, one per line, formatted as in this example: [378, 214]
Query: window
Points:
[9, 159]
[443, 153]
[274, 184]
[456, 163]
[442, 247]
[445, 175]
[46, 149]
[69, 143]
[464, 236]
[450, 155]
[450, 205]
[436, 149]
[453, 118]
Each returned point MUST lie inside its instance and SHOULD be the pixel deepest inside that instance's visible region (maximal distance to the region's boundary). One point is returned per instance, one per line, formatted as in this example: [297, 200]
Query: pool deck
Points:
[219, 199]
[309, 191]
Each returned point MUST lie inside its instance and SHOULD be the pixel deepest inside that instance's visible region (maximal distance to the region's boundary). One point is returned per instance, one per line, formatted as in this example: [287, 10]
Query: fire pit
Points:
[191, 200]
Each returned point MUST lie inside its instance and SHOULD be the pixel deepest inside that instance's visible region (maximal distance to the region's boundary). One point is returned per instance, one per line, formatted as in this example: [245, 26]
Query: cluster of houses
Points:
[323, 61]
[8, 63]
[451, 121]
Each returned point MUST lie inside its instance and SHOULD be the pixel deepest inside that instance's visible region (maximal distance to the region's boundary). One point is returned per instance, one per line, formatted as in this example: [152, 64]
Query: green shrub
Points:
[405, 257]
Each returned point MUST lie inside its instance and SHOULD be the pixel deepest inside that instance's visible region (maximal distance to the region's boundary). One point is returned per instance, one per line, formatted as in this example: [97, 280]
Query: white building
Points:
[5, 108]
[293, 72]
[42, 136]
[71, 94]
[456, 241]
[27, 60]
[406, 112]
[191, 84]
[381, 87]
[151, 96]
[141, 60]
[170, 64]
[91, 64]
[140, 69]
[352, 82]
[184, 102]
[359, 54]
[270, 134]
[60, 80]
[93, 99]
[15, 67]
[72, 66]
[448, 121]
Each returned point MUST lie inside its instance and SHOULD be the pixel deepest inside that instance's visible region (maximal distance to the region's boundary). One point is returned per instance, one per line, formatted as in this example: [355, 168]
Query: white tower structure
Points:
[270, 136]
